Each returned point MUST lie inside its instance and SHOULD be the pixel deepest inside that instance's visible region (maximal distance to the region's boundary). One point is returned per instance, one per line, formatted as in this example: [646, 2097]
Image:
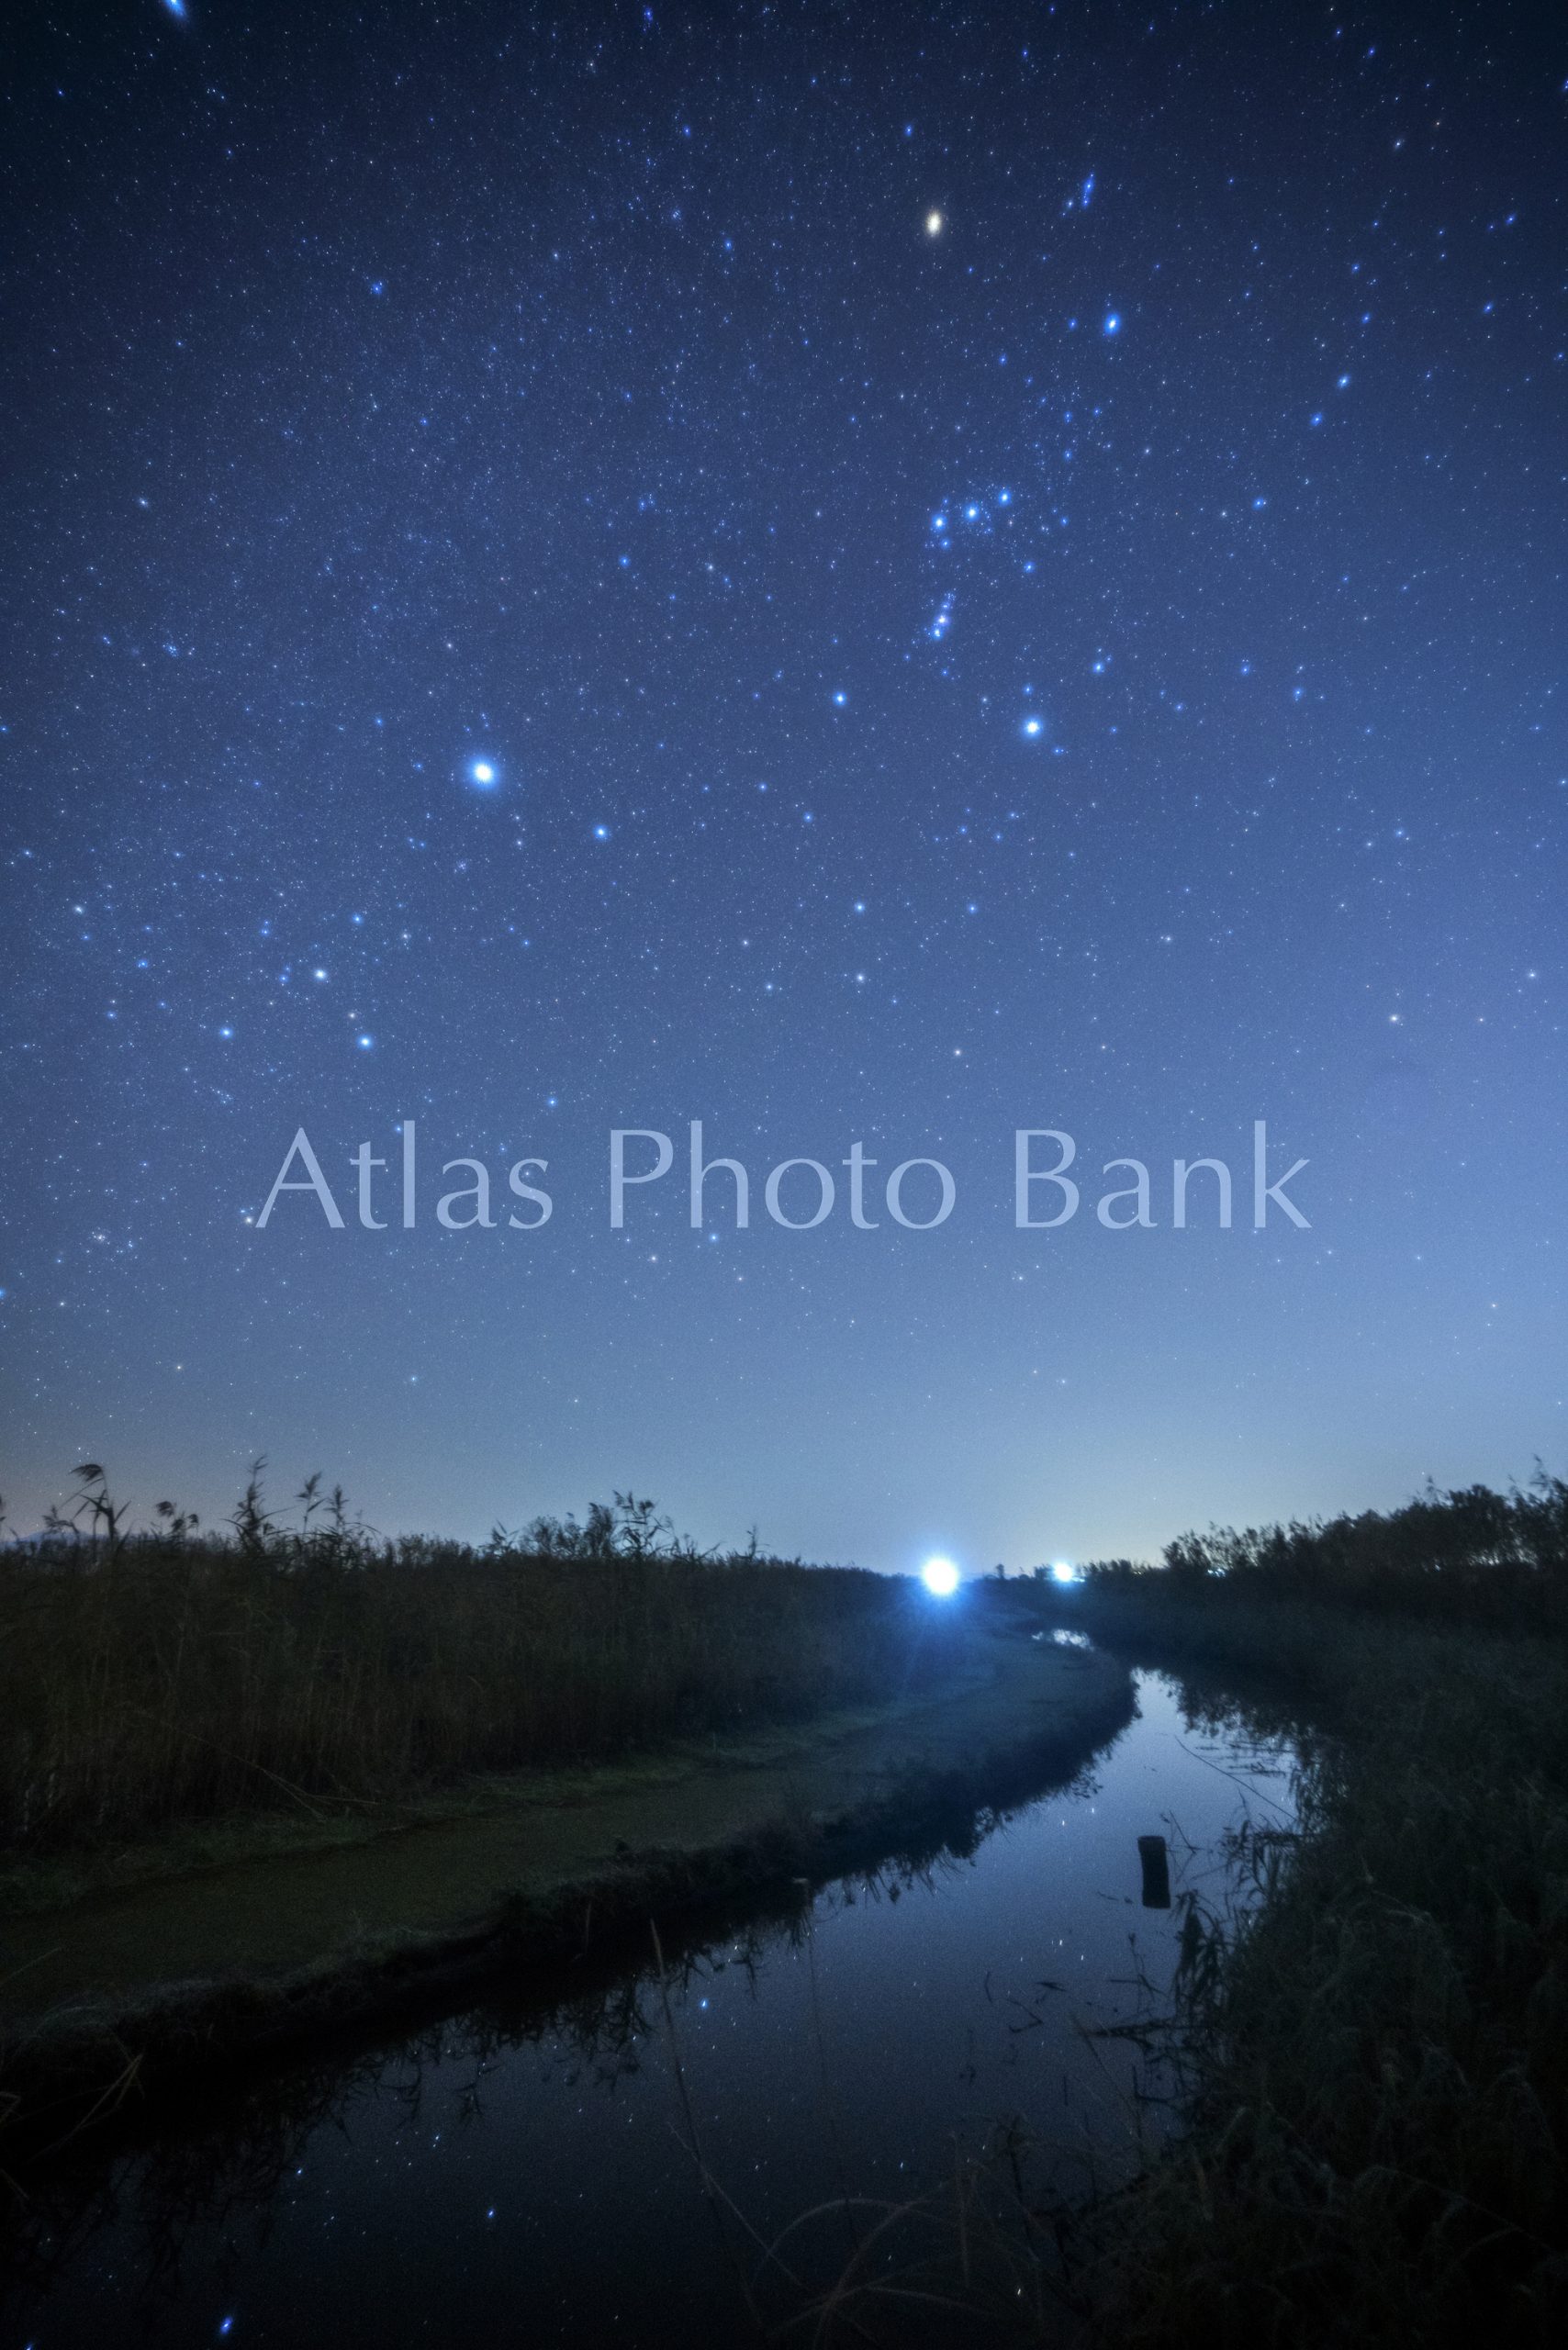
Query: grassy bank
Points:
[168, 1676]
[1378, 2058]
[177, 1979]
[261, 1785]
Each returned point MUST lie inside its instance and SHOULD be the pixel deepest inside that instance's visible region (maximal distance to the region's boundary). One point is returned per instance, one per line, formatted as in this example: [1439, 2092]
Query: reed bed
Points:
[166, 1677]
[1469, 1556]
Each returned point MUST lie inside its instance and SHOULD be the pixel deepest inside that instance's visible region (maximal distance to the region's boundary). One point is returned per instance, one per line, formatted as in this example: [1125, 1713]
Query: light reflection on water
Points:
[528, 2175]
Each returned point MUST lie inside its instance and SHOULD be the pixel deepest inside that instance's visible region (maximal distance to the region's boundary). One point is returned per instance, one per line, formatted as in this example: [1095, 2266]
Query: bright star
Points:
[1113, 323]
[483, 774]
[934, 224]
[601, 832]
[1033, 726]
[940, 1577]
[1063, 1571]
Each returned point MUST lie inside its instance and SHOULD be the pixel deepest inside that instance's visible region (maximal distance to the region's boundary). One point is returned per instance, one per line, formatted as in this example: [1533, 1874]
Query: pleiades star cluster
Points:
[877, 574]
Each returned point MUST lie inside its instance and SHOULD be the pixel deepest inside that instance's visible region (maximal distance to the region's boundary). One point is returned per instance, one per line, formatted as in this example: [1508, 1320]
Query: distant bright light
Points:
[934, 224]
[1113, 322]
[1063, 1571]
[940, 1577]
[483, 773]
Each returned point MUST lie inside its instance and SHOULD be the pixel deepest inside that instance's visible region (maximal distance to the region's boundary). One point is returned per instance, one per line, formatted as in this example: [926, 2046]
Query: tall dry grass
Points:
[1468, 1555]
[145, 1679]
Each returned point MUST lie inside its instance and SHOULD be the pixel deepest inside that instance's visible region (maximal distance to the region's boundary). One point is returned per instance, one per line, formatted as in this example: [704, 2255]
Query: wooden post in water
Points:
[1156, 1872]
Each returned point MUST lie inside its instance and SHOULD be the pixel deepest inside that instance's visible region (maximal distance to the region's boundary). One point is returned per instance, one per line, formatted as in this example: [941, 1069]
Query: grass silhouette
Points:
[168, 1673]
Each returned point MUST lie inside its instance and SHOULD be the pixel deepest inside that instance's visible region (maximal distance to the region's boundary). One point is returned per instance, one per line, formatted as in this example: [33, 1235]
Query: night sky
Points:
[857, 574]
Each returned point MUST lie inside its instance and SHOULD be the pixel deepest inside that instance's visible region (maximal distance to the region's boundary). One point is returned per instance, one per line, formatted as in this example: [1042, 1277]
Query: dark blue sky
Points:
[1006, 567]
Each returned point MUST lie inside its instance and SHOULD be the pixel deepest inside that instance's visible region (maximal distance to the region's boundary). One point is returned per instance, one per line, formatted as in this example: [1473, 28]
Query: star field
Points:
[884, 576]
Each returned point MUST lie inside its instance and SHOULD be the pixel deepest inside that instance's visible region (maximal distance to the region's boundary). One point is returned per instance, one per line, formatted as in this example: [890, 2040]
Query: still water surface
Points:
[525, 2174]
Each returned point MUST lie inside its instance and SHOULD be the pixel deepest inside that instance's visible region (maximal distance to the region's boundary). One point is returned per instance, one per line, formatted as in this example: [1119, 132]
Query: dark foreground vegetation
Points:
[1469, 1557]
[1374, 2061]
[172, 1674]
[1378, 2055]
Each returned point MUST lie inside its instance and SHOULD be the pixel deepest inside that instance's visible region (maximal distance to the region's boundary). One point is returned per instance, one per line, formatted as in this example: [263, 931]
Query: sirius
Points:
[483, 774]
